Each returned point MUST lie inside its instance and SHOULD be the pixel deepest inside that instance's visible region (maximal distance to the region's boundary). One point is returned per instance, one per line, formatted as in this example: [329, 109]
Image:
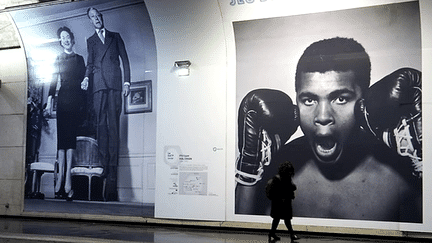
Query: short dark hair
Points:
[64, 28]
[286, 168]
[336, 54]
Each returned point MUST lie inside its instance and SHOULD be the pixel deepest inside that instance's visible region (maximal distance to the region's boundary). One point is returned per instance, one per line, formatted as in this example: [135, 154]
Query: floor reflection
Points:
[13, 229]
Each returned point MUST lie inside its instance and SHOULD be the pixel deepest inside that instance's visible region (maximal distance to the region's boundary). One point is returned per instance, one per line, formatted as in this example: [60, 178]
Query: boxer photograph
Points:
[346, 113]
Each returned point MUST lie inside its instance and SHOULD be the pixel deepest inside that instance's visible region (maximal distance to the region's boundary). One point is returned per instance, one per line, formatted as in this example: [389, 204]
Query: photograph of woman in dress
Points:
[70, 69]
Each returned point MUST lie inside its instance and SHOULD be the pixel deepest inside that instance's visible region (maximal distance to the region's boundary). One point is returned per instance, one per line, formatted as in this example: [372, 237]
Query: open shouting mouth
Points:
[327, 149]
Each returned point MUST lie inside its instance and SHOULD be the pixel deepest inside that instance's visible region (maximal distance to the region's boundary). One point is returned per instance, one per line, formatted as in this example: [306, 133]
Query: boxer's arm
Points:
[245, 199]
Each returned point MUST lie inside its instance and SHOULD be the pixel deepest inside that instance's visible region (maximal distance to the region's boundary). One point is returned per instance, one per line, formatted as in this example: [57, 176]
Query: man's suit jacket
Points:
[104, 63]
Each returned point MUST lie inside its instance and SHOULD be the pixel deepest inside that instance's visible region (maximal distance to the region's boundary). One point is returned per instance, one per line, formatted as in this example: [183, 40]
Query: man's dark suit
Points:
[104, 65]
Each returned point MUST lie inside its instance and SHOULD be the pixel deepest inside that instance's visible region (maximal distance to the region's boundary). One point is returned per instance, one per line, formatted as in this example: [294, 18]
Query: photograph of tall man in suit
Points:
[105, 48]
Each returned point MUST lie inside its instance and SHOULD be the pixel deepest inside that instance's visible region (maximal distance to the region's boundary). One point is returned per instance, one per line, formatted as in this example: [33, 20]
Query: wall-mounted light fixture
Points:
[182, 67]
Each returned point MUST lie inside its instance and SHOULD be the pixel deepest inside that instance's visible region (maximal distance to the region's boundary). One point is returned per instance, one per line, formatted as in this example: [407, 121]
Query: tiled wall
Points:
[13, 75]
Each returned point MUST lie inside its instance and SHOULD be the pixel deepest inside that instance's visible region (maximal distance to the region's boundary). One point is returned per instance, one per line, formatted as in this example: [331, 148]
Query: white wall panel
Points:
[191, 110]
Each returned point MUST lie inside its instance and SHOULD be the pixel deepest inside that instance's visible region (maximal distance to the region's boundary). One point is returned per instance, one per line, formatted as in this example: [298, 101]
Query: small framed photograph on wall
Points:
[140, 98]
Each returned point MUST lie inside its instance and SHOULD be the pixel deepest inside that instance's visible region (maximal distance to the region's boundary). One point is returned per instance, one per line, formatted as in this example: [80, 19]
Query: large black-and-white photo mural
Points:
[339, 95]
[84, 59]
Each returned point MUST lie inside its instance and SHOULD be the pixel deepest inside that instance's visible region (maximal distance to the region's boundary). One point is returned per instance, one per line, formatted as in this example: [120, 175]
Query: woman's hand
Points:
[48, 109]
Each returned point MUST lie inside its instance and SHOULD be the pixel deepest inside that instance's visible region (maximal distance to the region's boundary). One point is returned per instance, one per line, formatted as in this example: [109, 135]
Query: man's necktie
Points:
[100, 34]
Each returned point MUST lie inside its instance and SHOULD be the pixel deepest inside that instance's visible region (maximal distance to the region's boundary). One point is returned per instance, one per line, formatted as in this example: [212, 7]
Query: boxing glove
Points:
[392, 112]
[266, 120]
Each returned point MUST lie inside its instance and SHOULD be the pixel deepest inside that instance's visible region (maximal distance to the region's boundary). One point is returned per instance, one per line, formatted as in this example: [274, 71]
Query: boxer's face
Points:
[326, 103]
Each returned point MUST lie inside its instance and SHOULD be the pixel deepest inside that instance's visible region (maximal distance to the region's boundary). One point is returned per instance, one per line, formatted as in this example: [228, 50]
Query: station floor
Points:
[37, 230]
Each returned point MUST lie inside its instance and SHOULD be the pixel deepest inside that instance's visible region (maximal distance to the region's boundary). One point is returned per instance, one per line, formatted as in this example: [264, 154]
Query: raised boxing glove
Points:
[266, 120]
[392, 112]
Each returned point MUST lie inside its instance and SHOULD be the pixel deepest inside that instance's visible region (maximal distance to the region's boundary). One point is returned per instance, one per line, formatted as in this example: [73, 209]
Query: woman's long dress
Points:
[71, 98]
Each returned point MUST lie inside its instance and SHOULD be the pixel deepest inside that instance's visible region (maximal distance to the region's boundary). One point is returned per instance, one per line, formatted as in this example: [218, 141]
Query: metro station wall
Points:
[195, 137]
[191, 122]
